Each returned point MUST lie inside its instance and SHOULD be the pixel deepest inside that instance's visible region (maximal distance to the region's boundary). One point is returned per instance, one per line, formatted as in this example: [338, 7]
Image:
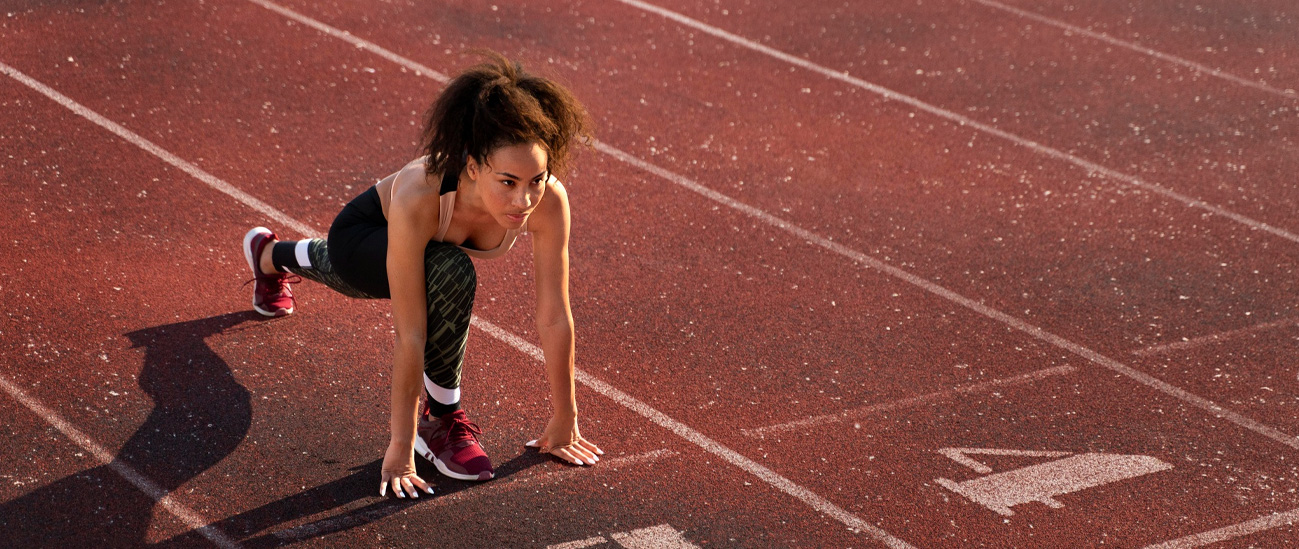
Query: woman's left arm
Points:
[549, 225]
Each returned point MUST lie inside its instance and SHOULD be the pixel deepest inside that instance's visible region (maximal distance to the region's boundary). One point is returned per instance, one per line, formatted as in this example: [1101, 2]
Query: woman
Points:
[492, 140]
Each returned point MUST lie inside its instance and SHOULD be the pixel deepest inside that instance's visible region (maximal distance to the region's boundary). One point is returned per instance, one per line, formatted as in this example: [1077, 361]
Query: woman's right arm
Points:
[412, 222]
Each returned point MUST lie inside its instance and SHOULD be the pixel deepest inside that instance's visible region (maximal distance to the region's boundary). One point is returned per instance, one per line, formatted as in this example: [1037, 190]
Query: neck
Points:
[468, 201]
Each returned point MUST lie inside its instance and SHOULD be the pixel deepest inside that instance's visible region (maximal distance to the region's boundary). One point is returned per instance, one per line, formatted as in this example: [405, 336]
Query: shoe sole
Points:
[248, 254]
[423, 450]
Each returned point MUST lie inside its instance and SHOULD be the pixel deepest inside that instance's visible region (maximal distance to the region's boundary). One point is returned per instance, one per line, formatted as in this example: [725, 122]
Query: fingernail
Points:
[578, 461]
[401, 494]
[429, 490]
[414, 494]
[531, 443]
[599, 451]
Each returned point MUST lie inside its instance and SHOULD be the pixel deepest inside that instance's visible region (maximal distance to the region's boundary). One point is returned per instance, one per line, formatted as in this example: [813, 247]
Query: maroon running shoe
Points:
[271, 294]
[451, 443]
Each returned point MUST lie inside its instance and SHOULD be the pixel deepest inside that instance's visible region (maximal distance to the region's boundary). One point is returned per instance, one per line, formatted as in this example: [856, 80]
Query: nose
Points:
[523, 200]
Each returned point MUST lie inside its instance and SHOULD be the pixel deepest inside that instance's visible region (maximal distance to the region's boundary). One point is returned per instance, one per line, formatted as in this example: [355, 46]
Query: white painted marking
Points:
[496, 487]
[1197, 67]
[579, 544]
[162, 154]
[962, 456]
[1034, 146]
[905, 402]
[1204, 340]
[662, 536]
[141, 482]
[1274, 520]
[1042, 482]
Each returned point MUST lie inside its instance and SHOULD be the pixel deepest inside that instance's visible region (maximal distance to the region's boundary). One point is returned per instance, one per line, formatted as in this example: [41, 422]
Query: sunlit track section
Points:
[1213, 338]
[865, 260]
[1197, 67]
[978, 307]
[357, 41]
[684, 431]
[137, 479]
[1034, 146]
[766, 475]
[502, 487]
[852, 413]
[162, 154]
[1274, 520]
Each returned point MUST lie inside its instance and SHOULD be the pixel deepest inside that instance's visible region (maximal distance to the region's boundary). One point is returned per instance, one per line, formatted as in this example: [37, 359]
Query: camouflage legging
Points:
[450, 280]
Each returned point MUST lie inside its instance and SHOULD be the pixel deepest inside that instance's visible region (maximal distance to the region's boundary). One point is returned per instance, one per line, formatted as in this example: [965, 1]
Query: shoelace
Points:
[280, 285]
[277, 285]
[461, 430]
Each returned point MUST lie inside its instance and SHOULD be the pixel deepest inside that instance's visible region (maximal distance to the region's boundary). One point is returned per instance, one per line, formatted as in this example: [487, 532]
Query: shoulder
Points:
[552, 213]
[415, 194]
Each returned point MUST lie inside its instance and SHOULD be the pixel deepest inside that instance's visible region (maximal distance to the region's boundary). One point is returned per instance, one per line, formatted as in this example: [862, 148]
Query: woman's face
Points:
[511, 182]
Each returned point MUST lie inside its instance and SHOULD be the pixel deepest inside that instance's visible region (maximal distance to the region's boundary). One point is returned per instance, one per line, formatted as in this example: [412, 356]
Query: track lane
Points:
[1203, 137]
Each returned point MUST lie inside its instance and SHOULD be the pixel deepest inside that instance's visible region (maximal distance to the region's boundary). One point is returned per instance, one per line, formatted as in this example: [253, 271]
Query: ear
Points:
[472, 167]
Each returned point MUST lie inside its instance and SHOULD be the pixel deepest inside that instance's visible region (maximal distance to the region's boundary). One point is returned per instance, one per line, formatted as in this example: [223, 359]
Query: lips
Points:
[517, 218]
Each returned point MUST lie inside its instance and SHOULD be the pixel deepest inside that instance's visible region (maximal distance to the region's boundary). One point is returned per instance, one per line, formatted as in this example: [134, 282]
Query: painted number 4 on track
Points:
[1044, 481]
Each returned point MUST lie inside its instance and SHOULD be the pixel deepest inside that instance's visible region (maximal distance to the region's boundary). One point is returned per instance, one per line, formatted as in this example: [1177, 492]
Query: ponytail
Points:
[496, 104]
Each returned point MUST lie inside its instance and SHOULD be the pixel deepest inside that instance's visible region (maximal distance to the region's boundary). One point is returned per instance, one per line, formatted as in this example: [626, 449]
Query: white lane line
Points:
[768, 476]
[141, 482]
[491, 489]
[1034, 146]
[1274, 520]
[1289, 93]
[906, 402]
[731, 456]
[360, 43]
[1204, 340]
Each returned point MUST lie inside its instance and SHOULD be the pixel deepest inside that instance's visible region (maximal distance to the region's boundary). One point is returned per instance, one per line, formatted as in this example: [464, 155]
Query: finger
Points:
[396, 488]
[383, 488]
[421, 484]
[590, 446]
[568, 455]
[410, 487]
[585, 454]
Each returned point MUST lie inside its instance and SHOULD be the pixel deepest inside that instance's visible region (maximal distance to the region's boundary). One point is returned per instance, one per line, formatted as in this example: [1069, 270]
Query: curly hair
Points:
[496, 104]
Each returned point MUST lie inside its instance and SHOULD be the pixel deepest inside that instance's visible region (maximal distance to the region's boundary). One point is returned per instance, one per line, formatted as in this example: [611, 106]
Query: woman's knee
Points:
[448, 269]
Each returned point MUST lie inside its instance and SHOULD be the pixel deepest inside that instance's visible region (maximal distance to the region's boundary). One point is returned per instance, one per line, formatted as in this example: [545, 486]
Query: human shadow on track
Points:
[200, 415]
[355, 496]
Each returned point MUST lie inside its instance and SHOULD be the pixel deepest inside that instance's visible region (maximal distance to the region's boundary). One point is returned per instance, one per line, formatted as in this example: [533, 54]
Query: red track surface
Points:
[125, 318]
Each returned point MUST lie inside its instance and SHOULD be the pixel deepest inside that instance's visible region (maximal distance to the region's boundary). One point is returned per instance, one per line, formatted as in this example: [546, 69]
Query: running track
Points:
[825, 259]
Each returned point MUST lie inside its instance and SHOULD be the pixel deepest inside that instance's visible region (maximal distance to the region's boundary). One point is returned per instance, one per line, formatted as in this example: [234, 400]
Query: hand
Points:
[563, 440]
[399, 471]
